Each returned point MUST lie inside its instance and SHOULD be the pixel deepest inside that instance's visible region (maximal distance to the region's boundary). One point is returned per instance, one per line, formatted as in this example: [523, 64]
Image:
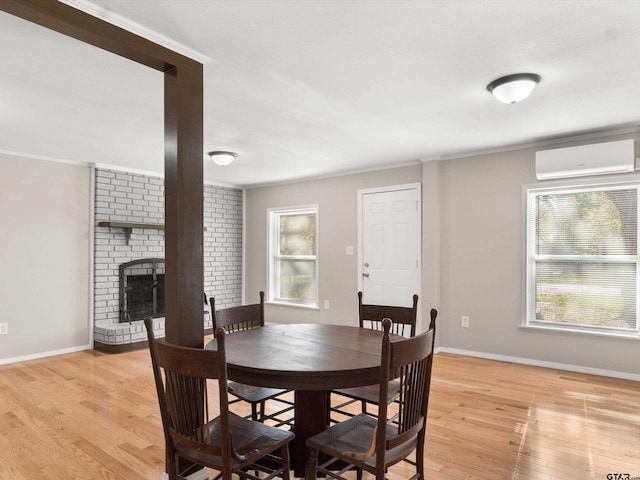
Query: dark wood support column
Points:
[184, 197]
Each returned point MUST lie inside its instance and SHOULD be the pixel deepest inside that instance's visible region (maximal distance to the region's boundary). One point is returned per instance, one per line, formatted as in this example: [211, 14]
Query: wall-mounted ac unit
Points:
[595, 159]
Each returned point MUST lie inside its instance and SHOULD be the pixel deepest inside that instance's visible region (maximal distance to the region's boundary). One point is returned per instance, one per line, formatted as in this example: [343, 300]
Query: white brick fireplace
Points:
[137, 201]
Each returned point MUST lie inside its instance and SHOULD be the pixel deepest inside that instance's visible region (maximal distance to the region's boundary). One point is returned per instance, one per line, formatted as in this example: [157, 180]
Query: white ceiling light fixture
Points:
[222, 158]
[513, 88]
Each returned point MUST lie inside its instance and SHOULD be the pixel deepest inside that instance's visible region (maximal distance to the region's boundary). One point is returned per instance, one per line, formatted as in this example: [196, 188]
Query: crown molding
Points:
[107, 166]
[44, 157]
[344, 173]
[136, 28]
[151, 173]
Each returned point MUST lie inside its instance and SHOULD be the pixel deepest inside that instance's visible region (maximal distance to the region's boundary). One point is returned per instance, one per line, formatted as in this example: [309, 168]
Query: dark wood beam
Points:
[184, 278]
[184, 198]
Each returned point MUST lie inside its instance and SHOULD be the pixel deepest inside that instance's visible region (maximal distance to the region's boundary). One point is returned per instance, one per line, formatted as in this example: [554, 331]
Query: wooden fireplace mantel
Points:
[128, 227]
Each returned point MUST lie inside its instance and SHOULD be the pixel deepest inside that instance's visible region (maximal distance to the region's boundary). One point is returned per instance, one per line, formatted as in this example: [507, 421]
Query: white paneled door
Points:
[389, 251]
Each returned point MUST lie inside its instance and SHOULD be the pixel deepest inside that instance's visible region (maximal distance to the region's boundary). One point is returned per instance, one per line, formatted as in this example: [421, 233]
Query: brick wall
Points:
[136, 198]
[223, 245]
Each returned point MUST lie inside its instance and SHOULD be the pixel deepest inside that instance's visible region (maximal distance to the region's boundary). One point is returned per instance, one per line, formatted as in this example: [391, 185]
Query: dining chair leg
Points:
[171, 463]
[420, 458]
[312, 464]
[286, 475]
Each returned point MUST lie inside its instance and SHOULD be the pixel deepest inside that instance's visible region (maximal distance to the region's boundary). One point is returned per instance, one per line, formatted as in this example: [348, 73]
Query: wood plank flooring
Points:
[89, 415]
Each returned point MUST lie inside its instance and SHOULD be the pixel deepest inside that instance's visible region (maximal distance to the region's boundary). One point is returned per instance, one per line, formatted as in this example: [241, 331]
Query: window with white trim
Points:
[293, 261]
[582, 258]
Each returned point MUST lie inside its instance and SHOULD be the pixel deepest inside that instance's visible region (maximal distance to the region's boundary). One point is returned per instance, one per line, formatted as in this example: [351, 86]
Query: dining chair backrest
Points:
[234, 319]
[409, 362]
[397, 433]
[181, 376]
[403, 318]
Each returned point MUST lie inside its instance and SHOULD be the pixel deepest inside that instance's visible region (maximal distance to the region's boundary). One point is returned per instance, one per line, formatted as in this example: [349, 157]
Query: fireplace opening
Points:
[142, 289]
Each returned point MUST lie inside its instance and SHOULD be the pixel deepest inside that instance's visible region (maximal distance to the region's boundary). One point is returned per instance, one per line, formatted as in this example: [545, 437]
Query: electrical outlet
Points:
[464, 321]
[326, 304]
[4, 328]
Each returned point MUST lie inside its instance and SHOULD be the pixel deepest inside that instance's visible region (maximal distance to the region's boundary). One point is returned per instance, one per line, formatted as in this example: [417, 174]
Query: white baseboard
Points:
[35, 356]
[541, 363]
[199, 475]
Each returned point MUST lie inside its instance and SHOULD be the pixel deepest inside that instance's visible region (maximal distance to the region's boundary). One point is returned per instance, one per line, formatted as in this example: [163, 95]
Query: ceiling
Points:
[303, 89]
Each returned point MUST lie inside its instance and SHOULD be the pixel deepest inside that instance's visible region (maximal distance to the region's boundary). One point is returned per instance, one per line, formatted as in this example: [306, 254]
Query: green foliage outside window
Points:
[583, 242]
[297, 257]
[298, 234]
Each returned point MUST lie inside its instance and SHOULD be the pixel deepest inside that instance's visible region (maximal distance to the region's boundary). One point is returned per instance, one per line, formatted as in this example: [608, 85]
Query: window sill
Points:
[597, 333]
[295, 305]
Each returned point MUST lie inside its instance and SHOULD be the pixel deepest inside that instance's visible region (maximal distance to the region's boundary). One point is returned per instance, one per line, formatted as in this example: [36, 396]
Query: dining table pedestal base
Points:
[305, 425]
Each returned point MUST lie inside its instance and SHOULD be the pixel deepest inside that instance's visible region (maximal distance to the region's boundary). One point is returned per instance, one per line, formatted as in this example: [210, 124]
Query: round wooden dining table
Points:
[310, 359]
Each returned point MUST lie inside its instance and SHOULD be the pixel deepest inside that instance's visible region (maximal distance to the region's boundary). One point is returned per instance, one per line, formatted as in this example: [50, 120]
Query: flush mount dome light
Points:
[513, 88]
[222, 158]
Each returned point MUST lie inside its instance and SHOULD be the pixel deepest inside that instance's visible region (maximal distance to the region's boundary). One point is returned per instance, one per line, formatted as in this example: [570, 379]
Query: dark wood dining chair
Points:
[403, 318]
[244, 317]
[227, 443]
[371, 316]
[373, 444]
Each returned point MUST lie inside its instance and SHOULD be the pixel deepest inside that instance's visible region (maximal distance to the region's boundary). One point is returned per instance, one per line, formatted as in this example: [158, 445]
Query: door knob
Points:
[366, 275]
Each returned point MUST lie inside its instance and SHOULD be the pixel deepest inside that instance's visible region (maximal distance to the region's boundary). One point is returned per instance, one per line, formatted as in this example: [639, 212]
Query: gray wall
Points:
[44, 256]
[481, 267]
[471, 256]
[472, 241]
[337, 228]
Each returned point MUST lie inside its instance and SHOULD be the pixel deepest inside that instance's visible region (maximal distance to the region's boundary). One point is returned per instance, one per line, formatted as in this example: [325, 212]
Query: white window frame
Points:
[529, 294]
[273, 266]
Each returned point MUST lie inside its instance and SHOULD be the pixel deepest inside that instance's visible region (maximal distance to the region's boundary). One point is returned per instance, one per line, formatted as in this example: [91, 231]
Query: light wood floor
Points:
[90, 416]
